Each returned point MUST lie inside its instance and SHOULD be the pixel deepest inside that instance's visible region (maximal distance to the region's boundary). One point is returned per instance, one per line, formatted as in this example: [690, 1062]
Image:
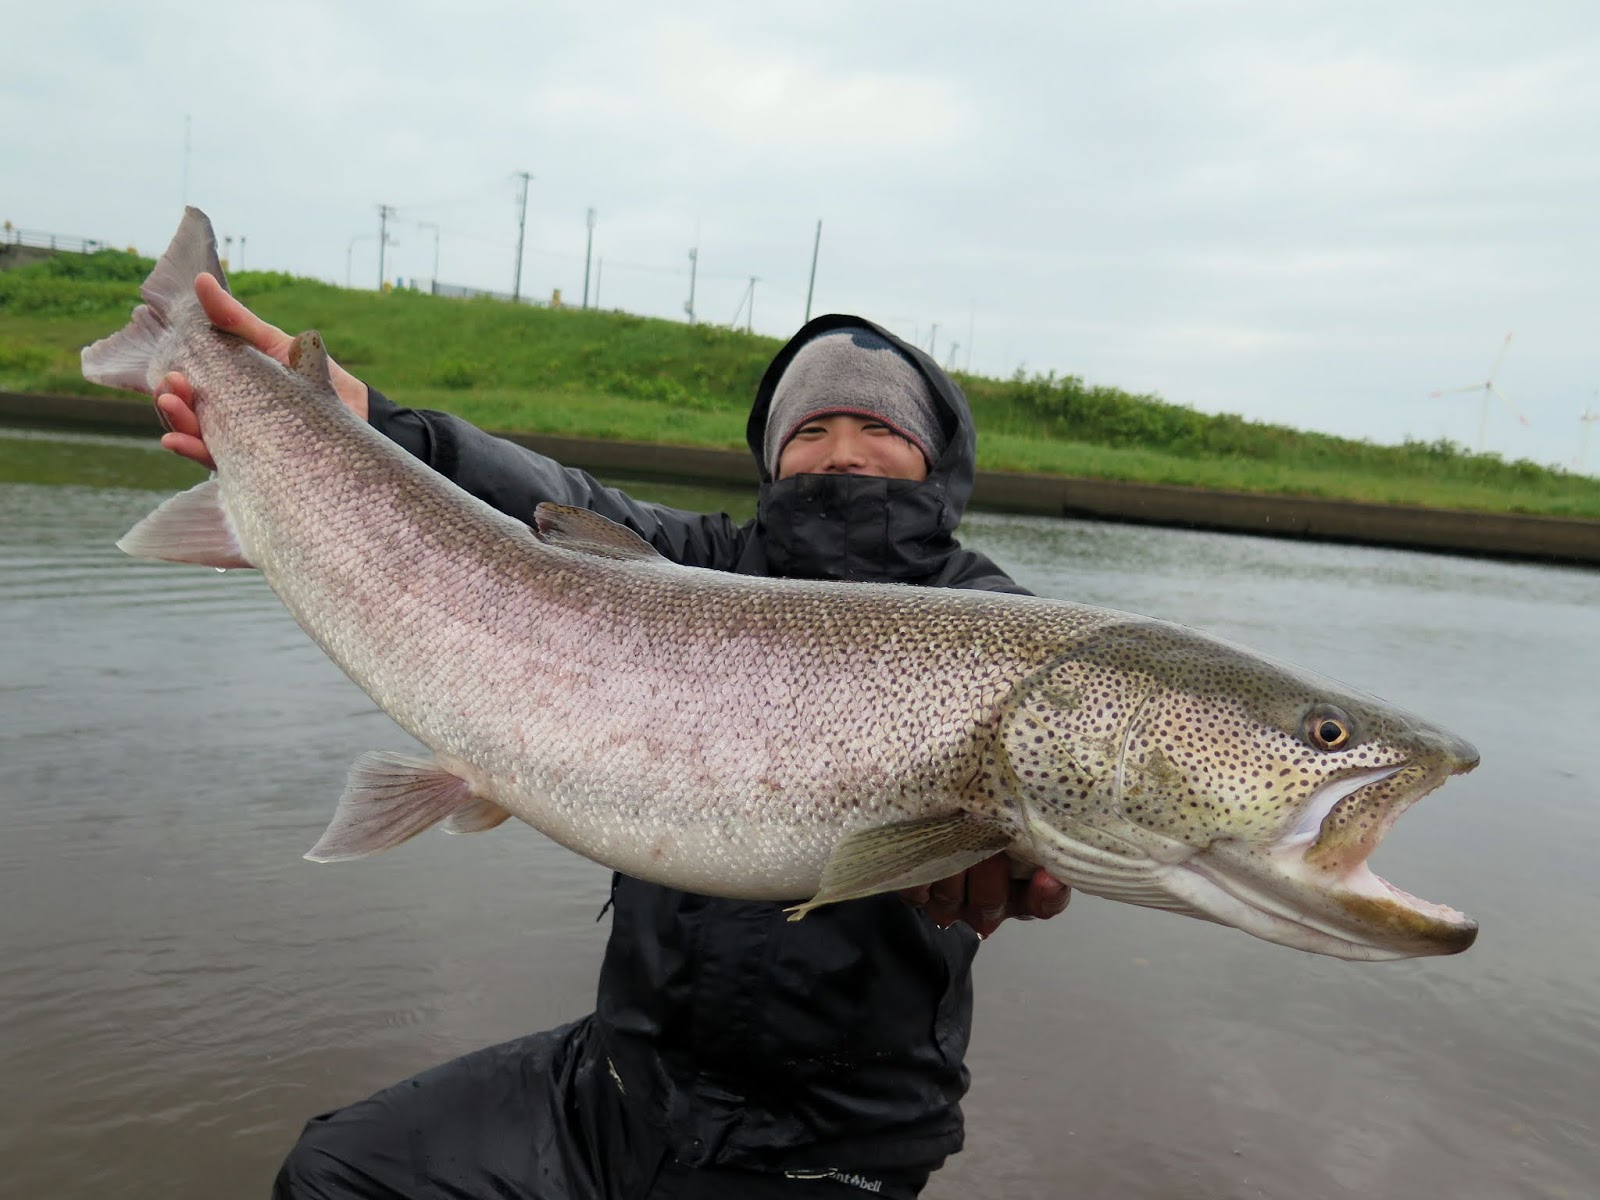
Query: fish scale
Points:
[770, 738]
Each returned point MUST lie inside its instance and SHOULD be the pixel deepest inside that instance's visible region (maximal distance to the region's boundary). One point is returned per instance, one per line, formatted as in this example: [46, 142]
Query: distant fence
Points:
[457, 292]
[36, 240]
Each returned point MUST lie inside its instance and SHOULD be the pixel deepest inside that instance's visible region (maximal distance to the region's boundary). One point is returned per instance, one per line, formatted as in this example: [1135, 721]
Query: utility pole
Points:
[816, 245]
[385, 211]
[522, 228]
[750, 317]
[933, 342]
[588, 248]
[694, 265]
[227, 252]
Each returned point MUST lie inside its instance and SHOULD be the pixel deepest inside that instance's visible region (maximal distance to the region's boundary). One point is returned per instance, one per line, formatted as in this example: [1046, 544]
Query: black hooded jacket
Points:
[748, 1039]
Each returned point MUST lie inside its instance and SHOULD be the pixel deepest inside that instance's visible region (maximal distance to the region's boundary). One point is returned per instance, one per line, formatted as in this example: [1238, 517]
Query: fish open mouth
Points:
[1314, 889]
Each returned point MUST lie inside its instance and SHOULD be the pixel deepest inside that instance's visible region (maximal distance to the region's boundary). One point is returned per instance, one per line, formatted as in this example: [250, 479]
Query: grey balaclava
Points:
[853, 371]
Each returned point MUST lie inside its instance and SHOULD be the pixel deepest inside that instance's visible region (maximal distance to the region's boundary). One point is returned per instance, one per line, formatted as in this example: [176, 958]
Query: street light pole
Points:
[522, 229]
[350, 250]
[435, 277]
[694, 265]
[588, 248]
[385, 211]
[816, 245]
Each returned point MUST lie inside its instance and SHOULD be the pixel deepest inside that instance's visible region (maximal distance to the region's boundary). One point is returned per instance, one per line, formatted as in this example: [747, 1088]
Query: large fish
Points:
[771, 738]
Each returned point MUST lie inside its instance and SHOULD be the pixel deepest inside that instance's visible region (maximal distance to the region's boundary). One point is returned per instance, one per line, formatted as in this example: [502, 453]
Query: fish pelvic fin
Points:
[191, 527]
[390, 798]
[123, 360]
[589, 533]
[904, 855]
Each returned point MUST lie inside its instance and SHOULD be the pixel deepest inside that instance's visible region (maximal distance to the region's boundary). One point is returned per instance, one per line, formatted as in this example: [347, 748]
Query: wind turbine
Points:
[1488, 389]
[1588, 419]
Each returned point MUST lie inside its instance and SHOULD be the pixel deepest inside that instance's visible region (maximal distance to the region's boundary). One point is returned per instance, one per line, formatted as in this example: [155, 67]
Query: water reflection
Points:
[182, 990]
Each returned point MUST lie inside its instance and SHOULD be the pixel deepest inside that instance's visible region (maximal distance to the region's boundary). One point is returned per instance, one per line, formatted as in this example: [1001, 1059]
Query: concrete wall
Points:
[1551, 539]
[13, 256]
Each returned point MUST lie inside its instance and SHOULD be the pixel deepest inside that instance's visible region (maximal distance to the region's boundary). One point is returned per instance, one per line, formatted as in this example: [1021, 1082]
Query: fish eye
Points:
[1329, 728]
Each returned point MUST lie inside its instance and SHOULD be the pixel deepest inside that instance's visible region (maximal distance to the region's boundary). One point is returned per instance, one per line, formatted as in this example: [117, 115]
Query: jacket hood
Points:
[951, 475]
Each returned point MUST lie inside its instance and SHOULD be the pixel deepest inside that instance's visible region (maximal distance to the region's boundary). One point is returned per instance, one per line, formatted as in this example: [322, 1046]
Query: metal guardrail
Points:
[38, 240]
[457, 292]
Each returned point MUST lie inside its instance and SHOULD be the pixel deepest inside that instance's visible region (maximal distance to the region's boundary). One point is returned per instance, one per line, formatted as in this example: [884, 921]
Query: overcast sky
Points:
[1309, 213]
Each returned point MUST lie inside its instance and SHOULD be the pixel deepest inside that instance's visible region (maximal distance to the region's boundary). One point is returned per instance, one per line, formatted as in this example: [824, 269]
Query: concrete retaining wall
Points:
[1552, 539]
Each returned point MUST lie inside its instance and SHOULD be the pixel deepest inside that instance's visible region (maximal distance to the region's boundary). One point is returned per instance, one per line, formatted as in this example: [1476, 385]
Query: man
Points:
[732, 1053]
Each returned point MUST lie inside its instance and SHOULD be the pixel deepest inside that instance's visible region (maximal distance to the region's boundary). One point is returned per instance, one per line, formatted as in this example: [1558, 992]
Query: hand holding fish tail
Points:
[986, 895]
[175, 399]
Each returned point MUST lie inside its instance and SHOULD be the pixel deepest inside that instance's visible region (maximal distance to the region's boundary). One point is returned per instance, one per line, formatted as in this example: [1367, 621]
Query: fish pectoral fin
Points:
[904, 855]
[390, 798]
[191, 527]
[589, 533]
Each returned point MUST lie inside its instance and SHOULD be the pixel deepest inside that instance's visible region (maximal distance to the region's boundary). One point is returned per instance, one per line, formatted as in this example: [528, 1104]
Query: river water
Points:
[181, 990]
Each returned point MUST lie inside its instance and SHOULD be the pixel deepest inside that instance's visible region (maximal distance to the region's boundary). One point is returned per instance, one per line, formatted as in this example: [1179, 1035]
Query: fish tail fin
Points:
[193, 249]
[390, 798]
[124, 359]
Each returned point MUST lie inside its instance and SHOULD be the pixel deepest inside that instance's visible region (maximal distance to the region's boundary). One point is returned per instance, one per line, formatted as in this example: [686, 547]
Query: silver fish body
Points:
[767, 738]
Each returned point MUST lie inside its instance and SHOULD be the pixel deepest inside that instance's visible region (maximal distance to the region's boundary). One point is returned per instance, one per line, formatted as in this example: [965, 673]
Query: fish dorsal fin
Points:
[308, 358]
[589, 533]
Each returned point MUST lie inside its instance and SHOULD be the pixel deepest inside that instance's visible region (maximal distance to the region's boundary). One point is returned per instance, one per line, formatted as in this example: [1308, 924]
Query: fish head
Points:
[1153, 764]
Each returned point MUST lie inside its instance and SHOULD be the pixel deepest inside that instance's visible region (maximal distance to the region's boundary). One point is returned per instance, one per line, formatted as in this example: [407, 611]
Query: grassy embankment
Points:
[611, 375]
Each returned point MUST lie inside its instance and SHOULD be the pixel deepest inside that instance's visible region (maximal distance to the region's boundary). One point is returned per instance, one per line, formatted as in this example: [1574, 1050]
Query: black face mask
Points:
[855, 527]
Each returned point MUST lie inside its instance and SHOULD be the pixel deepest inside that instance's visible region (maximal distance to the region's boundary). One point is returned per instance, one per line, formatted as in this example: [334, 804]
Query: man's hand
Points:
[175, 396]
[985, 895]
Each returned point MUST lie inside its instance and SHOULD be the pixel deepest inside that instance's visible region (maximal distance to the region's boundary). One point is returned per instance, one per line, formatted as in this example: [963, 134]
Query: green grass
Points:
[612, 375]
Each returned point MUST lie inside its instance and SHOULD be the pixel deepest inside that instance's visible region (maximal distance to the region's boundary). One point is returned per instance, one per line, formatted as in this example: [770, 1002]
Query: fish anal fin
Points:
[389, 799]
[904, 855]
[589, 533]
[191, 527]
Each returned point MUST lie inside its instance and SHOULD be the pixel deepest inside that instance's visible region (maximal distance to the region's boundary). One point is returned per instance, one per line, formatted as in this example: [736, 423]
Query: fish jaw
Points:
[1279, 892]
[1316, 885]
